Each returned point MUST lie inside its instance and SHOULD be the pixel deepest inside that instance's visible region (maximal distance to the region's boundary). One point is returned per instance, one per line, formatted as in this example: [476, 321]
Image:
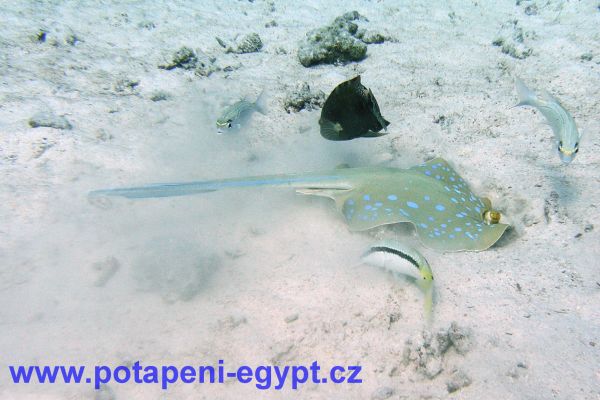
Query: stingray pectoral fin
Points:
[364, 209]
[463, 240]
[360, 223]
[331, 193]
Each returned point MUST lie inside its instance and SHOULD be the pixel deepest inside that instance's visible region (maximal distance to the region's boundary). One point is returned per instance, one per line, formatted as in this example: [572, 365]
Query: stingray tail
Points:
[189, 188]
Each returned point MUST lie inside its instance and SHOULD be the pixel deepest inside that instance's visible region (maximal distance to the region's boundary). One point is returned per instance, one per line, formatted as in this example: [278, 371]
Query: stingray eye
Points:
[560, 146]
[229, 124]
[491, 217]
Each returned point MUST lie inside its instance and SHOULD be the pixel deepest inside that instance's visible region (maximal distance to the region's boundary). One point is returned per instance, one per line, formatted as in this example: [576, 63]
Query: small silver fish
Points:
[235, 115]
[403, 259]
[558, 118]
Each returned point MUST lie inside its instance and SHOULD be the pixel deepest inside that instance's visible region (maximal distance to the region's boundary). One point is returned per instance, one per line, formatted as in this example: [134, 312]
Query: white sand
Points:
[283, 254]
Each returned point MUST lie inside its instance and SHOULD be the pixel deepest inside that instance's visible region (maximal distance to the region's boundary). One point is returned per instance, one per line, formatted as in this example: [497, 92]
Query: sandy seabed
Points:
[265, 276]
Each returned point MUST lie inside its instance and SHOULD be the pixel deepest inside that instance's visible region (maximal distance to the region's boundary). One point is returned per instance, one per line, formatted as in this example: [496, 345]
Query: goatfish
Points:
[402, 259]
[558, 118]
[237, 114]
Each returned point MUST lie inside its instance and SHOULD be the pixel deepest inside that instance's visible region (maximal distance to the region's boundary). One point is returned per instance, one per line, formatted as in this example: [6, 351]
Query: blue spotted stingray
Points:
[447, 215]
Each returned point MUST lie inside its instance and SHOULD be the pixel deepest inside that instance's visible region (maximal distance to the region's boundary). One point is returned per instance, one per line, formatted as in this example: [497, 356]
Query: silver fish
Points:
[558, 118]
[403, 259]
[235, 115]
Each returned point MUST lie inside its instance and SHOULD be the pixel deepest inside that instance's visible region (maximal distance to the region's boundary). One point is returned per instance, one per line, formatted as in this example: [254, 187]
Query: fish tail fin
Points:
[428, 304]
[189, 188]
[261, 102]
[527, 97]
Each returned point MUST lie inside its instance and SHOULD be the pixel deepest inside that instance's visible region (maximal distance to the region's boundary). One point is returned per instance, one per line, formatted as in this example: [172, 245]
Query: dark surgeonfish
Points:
[351, 111]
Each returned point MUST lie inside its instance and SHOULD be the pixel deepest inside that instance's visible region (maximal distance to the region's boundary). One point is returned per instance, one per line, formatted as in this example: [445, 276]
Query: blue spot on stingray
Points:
[422, 225]
[454, 200]
[447, 188]
[392, 197]
[468, 234]
[431, 218]
[426, 198]
[438, 177]
[440, 207]
[468, 224]
[378, 204]
[350, 202]
[479, 229]
[366, 197]
[436, 233]
[451, 236]
[368, 207]
[457, 229]
[388, 210]
[404, 213]
[459, 215]
[452, 179]
[478, 209]
[412, 205]
[428, 173]
[434, 166]
[443, 225]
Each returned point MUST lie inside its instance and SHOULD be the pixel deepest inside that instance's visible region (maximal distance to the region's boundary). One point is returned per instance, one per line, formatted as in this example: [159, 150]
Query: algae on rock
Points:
[333, 43]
